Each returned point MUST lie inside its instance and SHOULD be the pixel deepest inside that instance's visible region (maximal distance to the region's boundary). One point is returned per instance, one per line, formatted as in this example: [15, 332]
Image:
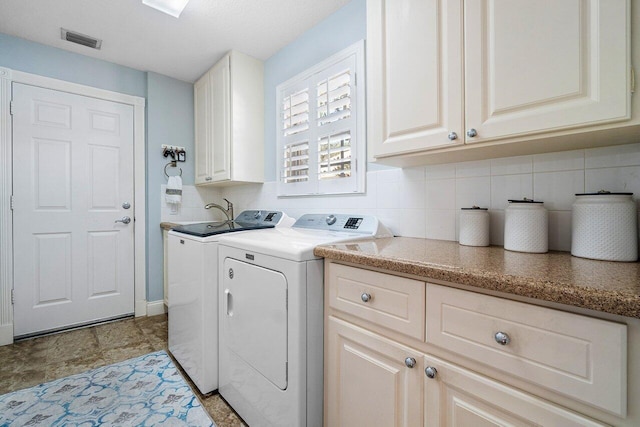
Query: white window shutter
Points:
[321, 118]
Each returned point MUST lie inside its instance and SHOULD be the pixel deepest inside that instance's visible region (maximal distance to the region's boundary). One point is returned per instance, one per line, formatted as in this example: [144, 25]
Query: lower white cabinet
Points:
[459, 373]
[367, 380]
[165, 264]
[454, 396]
[374, 381]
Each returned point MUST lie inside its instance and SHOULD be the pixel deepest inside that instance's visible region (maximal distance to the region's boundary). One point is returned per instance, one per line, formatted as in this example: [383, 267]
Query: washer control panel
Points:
[260, 217]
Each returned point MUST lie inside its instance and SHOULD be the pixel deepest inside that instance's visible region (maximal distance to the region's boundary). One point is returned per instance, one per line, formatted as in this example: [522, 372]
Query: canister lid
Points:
[524, 200]
[474, 208]
[604, 193]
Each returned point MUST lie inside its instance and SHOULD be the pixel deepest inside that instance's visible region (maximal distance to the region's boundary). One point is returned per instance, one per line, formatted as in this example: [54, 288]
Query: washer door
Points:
[255, 318]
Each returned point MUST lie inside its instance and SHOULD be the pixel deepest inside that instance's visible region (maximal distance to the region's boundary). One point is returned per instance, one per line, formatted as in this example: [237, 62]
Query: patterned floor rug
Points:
[145, 391]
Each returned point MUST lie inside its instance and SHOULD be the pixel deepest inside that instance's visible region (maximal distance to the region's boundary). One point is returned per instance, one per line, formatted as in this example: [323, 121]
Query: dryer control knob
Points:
[331, 219]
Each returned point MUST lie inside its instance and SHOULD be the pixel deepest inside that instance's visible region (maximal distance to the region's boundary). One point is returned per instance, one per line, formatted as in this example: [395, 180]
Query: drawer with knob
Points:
[457, 396]
[390, 301]
[578, 356]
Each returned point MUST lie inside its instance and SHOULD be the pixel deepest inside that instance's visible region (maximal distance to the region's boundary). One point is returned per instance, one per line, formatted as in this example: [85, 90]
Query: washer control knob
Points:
[430, 372]
[331, 219]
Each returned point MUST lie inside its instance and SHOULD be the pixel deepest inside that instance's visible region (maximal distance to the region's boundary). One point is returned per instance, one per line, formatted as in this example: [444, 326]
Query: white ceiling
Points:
[143, 38]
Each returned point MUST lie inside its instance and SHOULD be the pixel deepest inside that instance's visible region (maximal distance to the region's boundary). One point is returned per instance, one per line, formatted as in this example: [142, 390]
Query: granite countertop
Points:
[610, 287]
[168, 225]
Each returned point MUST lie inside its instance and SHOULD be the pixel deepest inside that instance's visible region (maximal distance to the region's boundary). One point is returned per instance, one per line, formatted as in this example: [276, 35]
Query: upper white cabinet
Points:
[229, 122]
[444, 73]
[414, 72]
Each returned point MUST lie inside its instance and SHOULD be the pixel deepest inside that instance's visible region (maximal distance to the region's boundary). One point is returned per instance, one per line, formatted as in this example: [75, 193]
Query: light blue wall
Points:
[340, 30]
[169, 113]
[170, 121]
[36, 58]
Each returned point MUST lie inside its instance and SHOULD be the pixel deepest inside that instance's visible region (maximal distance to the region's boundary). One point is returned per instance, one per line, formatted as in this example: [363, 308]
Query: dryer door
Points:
[255, 318]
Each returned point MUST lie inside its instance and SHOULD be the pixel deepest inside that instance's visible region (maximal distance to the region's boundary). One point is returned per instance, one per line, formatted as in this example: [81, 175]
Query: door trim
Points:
[7, 77]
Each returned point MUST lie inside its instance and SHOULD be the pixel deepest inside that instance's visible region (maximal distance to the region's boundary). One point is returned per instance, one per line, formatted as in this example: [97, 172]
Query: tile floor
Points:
[34, 361]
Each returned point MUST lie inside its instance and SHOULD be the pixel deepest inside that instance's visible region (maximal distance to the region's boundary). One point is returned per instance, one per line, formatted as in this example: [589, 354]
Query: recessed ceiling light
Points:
[170, 7]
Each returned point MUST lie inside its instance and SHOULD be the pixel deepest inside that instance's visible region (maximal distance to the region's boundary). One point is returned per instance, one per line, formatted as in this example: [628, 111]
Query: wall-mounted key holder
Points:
[178, 154]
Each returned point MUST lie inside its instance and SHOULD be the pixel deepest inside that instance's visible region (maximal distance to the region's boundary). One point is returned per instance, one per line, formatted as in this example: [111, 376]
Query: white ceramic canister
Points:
[474, 227]
[526, 226]
[605, 226]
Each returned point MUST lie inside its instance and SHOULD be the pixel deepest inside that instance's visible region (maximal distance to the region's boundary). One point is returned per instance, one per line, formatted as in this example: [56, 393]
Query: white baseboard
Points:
[6, 334]
[155, 307]
[140, 307]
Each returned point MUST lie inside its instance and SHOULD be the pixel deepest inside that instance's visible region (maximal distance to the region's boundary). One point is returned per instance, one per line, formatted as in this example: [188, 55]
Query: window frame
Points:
[308, 79]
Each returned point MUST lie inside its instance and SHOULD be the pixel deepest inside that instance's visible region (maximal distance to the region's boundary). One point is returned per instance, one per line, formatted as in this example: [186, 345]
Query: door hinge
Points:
[11, 202]
[11, 107]
[12, 297]
[633, 80]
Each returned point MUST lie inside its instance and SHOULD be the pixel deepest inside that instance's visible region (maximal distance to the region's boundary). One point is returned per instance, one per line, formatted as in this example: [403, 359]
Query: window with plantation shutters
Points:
[321, 127]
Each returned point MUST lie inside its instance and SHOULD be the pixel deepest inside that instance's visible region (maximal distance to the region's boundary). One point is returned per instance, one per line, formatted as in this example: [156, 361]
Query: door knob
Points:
[472, 133]
[365, 297]
[126, 205]
[124, 220]
[452, 136]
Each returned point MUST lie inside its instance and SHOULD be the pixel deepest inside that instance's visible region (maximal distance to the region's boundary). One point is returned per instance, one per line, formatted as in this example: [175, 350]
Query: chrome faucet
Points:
[228, 212]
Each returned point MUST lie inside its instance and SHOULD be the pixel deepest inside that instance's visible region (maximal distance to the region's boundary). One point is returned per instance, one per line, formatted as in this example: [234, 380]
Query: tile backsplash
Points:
[192, 206]
[426, 201]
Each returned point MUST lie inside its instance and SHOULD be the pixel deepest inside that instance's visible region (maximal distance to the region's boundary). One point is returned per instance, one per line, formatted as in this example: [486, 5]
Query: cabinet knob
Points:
[208, 178]
[410, 362]
[365, 297]
[472, 132]
[502, 338]
[452, 136]
[430, 372]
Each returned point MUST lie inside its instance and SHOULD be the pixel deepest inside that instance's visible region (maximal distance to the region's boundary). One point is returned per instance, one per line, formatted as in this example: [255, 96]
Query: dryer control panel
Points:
[361, 224]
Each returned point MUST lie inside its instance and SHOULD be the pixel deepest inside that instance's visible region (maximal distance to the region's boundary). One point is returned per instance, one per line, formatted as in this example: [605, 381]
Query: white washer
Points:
[271, 317]
[193, 291]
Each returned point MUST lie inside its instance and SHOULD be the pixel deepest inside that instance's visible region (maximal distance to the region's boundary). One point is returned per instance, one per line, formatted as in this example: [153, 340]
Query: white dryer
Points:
[193, 291]
[271, 317]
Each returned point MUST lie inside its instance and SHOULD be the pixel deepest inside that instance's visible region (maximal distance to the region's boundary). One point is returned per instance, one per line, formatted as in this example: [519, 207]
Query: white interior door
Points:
[73, 178]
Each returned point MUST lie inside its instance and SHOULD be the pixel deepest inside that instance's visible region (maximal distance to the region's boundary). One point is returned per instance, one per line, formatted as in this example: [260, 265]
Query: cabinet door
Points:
[414, 72]
[538, 65]
[202, 108]
[220, 121]
[367, 382]
[460, 398]
[165, 264]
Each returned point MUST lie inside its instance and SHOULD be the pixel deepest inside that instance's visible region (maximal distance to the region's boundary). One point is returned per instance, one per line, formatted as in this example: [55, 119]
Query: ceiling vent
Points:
[82, 39]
